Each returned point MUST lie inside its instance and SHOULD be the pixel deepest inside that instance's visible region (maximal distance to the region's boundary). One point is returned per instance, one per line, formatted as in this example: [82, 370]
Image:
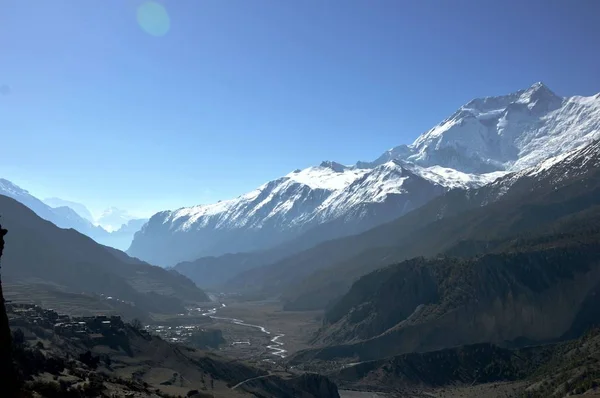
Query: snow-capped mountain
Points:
[63, 216]
[483, 140]
[511, 205]
[66, 217]
[114, 218]
[284, 208]
[510, 132]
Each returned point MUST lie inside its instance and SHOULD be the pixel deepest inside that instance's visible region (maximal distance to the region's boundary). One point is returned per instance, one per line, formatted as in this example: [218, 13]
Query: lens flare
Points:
[153, 19]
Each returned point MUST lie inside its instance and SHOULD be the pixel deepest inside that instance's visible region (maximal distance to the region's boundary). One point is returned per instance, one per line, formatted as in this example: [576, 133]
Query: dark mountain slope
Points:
[537, 291]
[38, 251]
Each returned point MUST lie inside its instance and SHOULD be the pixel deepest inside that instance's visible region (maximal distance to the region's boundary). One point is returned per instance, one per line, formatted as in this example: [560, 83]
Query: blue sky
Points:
[97, 110]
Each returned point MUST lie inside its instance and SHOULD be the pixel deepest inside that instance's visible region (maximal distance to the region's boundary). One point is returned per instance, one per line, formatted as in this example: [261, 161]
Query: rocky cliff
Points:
[540, 290]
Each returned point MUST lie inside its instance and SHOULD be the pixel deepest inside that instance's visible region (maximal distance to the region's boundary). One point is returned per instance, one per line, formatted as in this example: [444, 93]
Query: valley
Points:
[300, 199]
[257, 332]
[465, 264]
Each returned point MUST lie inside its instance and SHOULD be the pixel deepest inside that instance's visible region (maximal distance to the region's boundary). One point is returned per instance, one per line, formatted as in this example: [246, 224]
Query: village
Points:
[105, 329]
[195, 335]
[91, 328]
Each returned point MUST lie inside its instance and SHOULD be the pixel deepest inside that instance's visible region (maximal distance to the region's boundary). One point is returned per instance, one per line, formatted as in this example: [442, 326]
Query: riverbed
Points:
[276, 348]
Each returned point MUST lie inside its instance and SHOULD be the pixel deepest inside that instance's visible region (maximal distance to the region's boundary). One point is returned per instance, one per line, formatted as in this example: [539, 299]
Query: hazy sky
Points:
[108, 104]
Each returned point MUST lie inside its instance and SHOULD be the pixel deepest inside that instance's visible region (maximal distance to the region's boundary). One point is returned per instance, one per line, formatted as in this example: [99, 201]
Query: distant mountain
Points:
[132, 226]
[65, 216]
[9, 189]
[483, 140]
[79, 208]
[112, 219]
[122, 237]
[37, 251]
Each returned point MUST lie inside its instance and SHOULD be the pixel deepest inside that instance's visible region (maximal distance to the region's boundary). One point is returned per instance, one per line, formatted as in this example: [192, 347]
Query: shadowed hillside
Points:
[540, 290]
[39, 252]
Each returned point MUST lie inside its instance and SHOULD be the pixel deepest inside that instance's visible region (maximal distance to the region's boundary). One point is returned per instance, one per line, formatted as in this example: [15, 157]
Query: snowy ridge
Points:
[394, 178]
[288, 206]
[451, 178]
[555, 170]
[326, 177]
[316, 194]
[285, 200]
[9, 189]
[510, 132]
[483, 140]
[570, 164]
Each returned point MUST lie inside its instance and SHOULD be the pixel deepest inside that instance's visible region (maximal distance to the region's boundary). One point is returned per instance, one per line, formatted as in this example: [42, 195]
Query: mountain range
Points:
[485, 139]
[572, 124]
[67, 214]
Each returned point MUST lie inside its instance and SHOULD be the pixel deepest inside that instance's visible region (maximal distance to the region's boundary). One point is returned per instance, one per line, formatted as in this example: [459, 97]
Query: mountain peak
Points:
[335, 166]
[538, 85]
[539, 97]
[531, 94]
[538, 89]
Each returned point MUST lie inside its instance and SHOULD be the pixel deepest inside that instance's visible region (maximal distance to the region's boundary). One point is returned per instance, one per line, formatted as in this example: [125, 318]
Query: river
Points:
[276, 347]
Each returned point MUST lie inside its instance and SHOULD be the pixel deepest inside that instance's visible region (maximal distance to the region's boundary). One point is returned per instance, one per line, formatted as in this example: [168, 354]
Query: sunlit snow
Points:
[485, 139]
